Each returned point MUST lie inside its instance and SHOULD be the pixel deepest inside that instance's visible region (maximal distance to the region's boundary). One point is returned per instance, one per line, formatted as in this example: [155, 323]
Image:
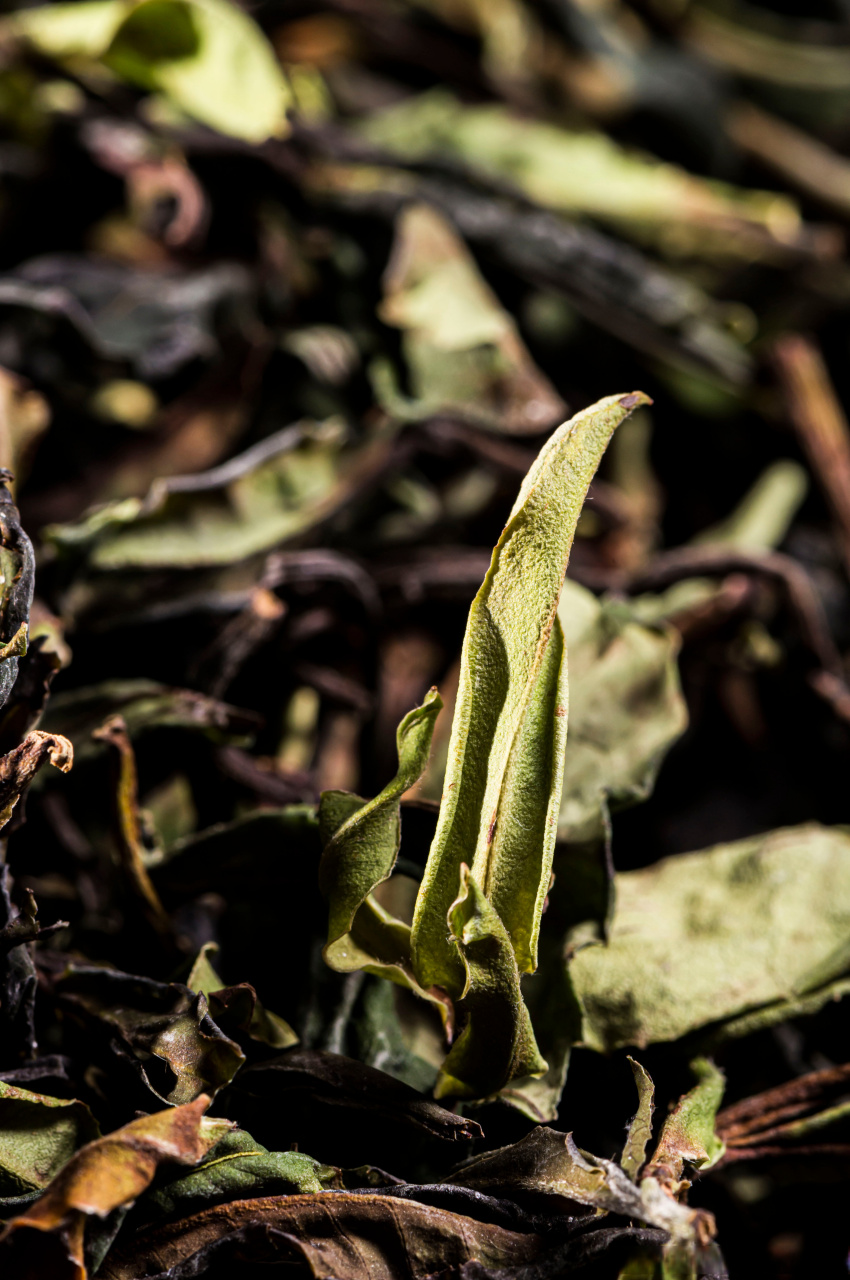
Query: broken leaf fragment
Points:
[462, 349]
[20, 765]
[640, 1127]
[688, 1136]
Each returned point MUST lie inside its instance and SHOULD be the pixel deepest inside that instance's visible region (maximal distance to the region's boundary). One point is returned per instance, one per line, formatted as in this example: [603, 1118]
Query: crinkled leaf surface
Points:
[200, 54]
[688, 1135]
[497, 1042]
[238, 1007]
[37, 1136]
[336, 1234]
[462, 349]
[507, 635]
[238, 1168]
[102, 1176]
[640, 1127]
[155, 1020]
[702, 938]
[626, 709]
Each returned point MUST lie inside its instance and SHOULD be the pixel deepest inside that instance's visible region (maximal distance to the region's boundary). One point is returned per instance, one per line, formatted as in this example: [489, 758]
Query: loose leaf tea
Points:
[423, 806]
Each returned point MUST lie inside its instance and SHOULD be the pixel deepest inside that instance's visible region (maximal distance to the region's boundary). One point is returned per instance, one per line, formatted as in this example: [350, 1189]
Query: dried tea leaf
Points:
[496, 1044]
[155, 1020]
[334, 1234]
[128, 821]
[238, 1168]
[640, 1127]
[462, 349]
[588, 172]
[20, 765]
[688, 1135]
[142, 705]
[198, 53]
[362, 838]
[277, 489]
[38, 1135]
[685, 954]
[342, 1082]
[502, 674]
[107, 1173]
[626, 710]
[259, 1023]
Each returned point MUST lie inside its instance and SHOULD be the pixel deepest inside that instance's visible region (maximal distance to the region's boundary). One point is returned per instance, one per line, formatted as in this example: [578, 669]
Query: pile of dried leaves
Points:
[333, 939]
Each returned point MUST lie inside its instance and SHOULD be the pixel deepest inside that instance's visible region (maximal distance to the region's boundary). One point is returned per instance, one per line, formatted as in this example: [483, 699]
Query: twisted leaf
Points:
[496, 772]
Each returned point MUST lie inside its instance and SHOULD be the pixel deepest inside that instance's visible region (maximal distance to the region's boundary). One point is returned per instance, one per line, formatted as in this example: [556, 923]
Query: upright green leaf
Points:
[492, 763]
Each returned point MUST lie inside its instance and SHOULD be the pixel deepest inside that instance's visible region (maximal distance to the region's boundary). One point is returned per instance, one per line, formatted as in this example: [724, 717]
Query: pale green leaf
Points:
[626, 710]
[208, 57]
[360, 851]
[275, 490]
[685, 954]
[38, 1135]
[586, 171]
[507, 634]
[462, 349]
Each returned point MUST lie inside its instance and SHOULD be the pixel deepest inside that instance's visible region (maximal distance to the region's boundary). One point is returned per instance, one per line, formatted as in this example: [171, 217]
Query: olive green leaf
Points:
[200, 54]
[585, 171]
[103, 1175]
[491, 762]
[361, 841]
[462, 349]
[626, 709]
[37, 1136]
[688, 1136]
[238, 1168]
[497, 1043]
[278, 488]
[360, 851]
[640, 1128]
[684, 956]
